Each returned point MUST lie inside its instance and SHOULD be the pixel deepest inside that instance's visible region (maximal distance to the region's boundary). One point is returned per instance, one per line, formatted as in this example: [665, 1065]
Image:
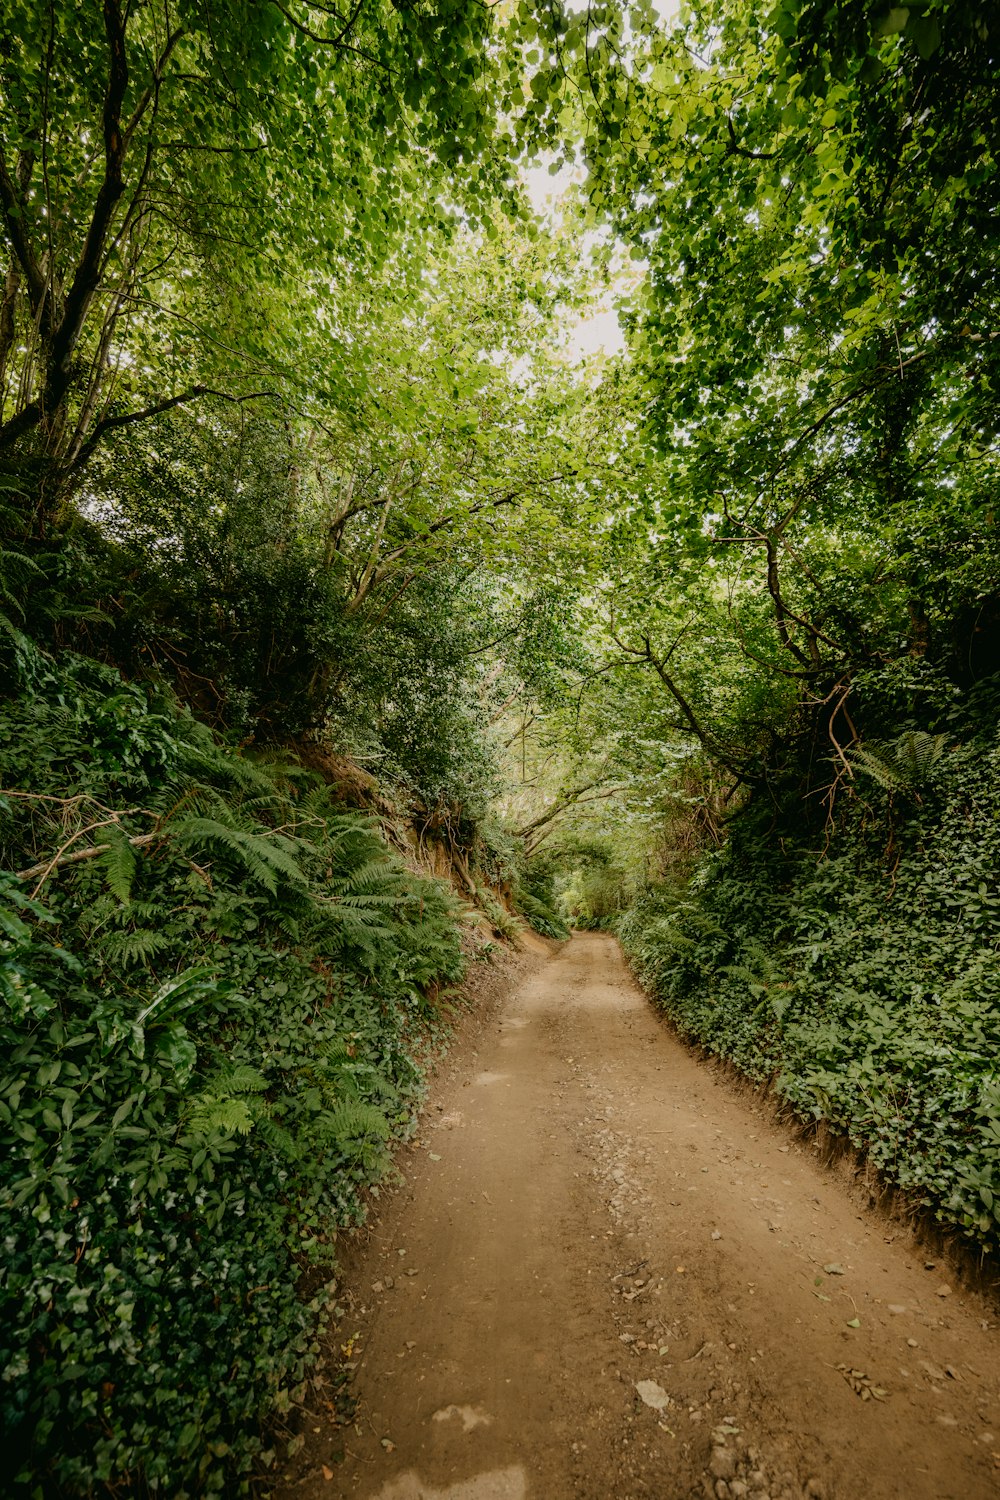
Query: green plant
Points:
[865, 982]
[212, 981]
[500, 919]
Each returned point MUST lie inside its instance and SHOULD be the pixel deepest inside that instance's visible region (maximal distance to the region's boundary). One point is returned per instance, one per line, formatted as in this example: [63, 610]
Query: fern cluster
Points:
[906, 763]
[208, 1023]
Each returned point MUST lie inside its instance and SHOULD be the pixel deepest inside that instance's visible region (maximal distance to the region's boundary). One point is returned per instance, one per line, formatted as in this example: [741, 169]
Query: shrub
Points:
[865, 981]
[207, 1031]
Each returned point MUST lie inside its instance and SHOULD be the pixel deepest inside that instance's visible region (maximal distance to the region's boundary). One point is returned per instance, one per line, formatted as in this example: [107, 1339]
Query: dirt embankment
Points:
[608, 1275]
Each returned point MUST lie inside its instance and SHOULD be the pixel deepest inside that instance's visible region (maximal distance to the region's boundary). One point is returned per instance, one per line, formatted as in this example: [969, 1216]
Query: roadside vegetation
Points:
[354, 601]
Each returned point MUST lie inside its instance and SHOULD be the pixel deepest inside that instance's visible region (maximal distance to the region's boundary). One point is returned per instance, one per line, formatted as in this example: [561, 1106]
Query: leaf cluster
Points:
[866, 983]
[208, 1025]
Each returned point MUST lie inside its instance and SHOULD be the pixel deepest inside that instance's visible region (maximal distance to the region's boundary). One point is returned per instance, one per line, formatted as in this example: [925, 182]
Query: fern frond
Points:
[15, 568]
[334, 1049]
[235, 1078]
[132, 948]
[265, 860]
[229, 770]
[234, 1116]
[280, 1140]
[373, 875]
[289, 925]
[229, 1104]
[919, 752]
[118, 865]
[352, 1120]
[145, 911]
[904, 764]
[741, 971]
[891, 777]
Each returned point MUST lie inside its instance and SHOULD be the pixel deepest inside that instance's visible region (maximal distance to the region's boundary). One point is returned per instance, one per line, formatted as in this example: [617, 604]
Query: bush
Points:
[207, 1033]
[543, 917]
[865, 982]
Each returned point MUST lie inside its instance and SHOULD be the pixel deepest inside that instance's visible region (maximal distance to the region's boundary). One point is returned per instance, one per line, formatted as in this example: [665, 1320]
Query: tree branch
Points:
[87, 276]
[109, 424]
[340, 40]
[14, 224]
[780, 613]
[147, 94]
[734, 148]
[659, 664]
[531, 844]
[45, 867]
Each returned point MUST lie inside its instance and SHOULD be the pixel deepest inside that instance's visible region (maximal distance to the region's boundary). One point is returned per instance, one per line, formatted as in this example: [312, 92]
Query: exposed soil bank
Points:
[592, 1222]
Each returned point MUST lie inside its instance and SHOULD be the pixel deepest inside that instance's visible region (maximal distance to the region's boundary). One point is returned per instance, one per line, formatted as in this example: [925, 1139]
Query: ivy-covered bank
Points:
[861, 974]
[207, 1045]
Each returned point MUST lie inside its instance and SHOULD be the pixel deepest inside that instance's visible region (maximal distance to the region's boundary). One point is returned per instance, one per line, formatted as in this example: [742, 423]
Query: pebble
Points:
[722, 1490]
[722, 1464]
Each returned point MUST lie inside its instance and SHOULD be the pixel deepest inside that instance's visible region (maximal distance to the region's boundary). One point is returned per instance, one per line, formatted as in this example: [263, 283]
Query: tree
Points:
[184, 189]
[816, 341]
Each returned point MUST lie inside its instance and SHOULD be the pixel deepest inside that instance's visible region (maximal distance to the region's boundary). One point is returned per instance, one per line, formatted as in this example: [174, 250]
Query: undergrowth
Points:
[207, 1036]
[862, 977]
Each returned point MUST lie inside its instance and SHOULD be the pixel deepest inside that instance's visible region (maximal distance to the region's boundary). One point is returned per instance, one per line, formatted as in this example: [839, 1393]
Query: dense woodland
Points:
[353, 616]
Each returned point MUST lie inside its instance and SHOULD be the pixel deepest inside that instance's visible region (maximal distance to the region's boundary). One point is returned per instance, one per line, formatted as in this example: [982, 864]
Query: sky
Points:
[598, 329]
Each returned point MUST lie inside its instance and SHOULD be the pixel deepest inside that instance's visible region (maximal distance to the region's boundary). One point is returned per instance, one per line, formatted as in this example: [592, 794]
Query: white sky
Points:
[597, 330]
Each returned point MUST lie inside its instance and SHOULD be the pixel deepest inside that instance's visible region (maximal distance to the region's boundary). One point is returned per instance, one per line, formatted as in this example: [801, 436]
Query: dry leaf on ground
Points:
[862, 1384]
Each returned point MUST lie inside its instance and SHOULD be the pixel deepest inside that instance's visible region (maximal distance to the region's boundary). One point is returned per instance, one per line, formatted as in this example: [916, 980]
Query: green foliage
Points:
[905, 764]
[542, 914]
[810, 490]
[207, 1033]
[287, 420]
[865, 982]
[253, 157]
[592, 880]
[535, 898]
[503, 923]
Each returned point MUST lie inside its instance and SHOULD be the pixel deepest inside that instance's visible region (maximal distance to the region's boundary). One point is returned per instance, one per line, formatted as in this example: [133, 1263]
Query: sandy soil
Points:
[609, 1274]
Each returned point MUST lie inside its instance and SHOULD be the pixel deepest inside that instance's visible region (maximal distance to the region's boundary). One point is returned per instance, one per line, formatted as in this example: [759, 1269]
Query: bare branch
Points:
[109, 424]
[733, 147]
[87, 276]
[14, 224]
[45, 867]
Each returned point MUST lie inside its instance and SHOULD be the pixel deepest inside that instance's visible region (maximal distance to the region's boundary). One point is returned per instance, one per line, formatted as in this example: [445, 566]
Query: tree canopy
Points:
[331, 561]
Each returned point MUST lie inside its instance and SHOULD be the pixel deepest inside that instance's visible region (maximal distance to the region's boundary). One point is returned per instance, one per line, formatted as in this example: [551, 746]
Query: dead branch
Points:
[45, 867]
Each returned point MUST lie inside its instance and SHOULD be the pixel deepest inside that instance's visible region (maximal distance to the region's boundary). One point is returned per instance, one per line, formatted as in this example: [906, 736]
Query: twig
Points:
[58, 860]
[634, 1271]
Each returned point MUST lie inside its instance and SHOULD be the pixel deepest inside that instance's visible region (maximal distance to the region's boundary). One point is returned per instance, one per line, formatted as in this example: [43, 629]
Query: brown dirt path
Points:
[591, 1208]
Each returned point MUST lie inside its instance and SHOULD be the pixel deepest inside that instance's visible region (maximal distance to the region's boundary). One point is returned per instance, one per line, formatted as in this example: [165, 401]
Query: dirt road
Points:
[609, 1275]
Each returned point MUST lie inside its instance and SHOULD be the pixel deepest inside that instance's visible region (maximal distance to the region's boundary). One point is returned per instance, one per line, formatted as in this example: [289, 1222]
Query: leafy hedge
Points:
[865, 980]
[206, 1034]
